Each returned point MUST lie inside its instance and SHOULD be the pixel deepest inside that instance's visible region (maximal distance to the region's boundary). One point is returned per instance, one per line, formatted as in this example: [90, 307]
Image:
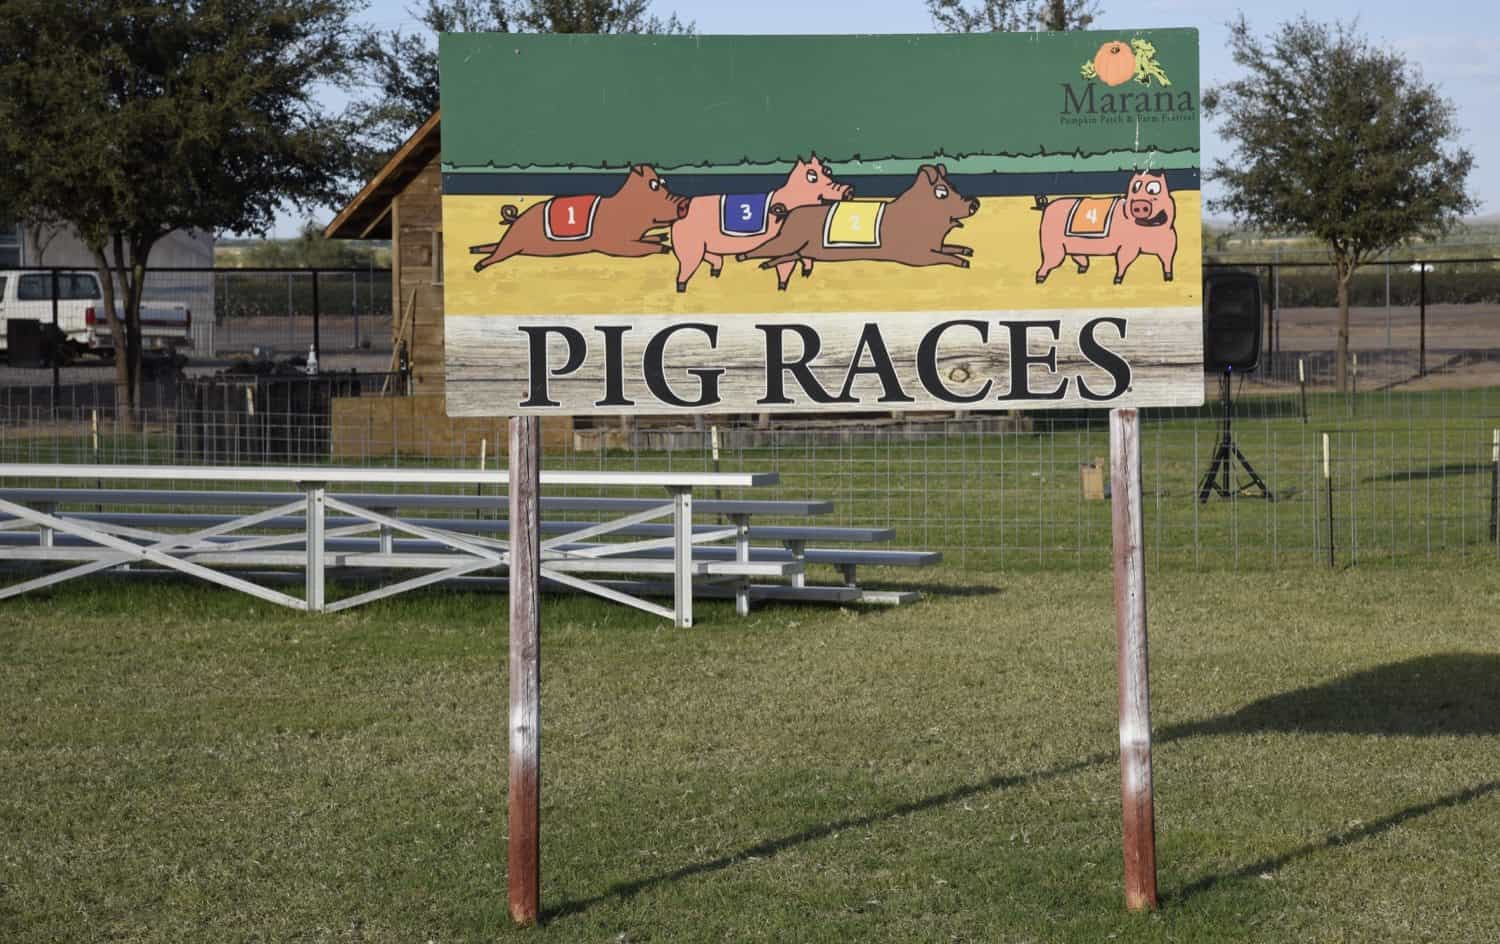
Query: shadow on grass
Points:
[1447, 470]
[1332, 841]
[1439, 695]
[771, 847]
[1446, 694]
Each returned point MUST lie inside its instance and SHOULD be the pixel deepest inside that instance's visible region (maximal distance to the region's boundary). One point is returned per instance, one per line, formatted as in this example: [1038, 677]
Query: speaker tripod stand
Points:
[1218, 478]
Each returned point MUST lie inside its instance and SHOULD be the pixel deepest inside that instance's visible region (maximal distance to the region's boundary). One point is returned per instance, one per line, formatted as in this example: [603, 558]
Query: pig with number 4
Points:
[1141, 221]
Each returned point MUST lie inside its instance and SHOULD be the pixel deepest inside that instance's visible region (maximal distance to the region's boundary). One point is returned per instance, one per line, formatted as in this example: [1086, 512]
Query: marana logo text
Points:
[1115, 64]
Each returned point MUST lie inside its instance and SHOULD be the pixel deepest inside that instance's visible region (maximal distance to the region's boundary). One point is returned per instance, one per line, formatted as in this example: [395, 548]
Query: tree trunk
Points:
[133, 317]
[1341, 355]
[124, 405]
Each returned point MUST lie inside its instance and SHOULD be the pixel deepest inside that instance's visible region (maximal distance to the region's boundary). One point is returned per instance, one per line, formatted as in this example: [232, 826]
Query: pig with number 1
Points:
[718, 225]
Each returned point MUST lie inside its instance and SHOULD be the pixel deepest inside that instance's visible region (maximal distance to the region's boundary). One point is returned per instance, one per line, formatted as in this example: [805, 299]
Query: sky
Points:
[1450, 41]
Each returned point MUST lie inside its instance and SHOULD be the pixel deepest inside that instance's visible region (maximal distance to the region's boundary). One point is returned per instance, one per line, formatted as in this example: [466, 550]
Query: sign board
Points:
[638, 224]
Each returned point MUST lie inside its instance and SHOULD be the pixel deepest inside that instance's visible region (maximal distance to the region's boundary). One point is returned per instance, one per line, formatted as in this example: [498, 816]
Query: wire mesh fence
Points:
[342, 313]
[1412, 466]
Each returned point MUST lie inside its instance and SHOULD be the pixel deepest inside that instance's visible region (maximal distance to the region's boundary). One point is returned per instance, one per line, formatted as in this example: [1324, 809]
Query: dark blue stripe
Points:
[1052, 183]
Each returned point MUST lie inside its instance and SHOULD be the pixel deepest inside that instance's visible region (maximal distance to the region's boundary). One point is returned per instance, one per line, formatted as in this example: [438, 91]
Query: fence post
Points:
[1328, 487]
[1388, 306]
[55, 353]
[1270, 320]
[1422, 321]
[1302, 383]
[354, 304]
[317, 320]
[1495, 487]
[1276, 300]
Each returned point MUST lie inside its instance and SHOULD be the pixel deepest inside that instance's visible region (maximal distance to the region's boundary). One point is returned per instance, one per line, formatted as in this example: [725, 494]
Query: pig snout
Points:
[682, 207]
[1140, 209]
[973, 205]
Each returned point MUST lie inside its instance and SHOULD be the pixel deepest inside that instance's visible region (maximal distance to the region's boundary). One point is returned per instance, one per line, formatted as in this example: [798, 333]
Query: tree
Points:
[1011, 16]
[128, 121]
[309, 249]
[401, 69]
[1337, 138]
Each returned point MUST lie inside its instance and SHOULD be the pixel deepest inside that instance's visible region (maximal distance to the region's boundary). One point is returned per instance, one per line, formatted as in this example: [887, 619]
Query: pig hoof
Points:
[1119, 279]
[666, 248]
[1167, 276]
[1082, 269]
[714, 273]
[739, 257]
[807, 273]
[1040, 279]
[682, 286]
[781, 286]
[963, 263]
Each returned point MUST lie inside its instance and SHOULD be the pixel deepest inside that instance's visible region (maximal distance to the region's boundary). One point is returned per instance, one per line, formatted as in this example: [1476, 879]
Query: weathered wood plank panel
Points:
[618, 364]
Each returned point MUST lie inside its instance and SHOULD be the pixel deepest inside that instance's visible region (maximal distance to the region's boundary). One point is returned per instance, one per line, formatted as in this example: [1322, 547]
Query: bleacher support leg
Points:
[799, 551]
[316, 495]
[682, 556]
[47, 536]
[742, 556]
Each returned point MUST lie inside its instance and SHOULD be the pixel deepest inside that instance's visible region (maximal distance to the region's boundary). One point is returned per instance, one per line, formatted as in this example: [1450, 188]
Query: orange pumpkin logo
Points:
[1117, 62]
[1114, 63]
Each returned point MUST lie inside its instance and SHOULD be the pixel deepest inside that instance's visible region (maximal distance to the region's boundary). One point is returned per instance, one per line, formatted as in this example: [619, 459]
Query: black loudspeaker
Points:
[1231, 321]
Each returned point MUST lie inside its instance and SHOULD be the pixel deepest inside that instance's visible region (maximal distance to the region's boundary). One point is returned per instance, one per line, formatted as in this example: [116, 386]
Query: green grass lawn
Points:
[179, 763]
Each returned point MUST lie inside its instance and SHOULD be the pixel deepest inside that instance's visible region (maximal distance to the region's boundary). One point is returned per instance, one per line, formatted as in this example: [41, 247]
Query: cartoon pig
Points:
[909, 229]
[616, 225]
[717, 225]
[1124, 227]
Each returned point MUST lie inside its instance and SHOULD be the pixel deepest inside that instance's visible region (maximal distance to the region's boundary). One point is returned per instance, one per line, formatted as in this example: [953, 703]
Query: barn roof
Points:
[368, 215]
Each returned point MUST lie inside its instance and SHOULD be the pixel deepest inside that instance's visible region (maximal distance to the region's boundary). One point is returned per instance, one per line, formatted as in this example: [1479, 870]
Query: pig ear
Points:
[929, 172]
[942, 170]
[639, 170]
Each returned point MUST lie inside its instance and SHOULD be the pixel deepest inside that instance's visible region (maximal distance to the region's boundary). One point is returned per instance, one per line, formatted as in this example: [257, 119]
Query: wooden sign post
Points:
[705, 241]
[525, 671]
[1132, 661]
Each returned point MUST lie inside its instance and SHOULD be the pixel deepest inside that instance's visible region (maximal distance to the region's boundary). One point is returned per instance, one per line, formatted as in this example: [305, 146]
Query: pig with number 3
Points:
[1140, 222]
[724, 224]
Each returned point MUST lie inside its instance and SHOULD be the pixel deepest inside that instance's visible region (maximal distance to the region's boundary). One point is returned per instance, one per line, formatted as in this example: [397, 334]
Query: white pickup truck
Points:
[81, 318]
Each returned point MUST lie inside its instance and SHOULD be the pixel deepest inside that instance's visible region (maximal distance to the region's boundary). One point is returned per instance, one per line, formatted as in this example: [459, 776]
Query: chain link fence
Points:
[1412, 468]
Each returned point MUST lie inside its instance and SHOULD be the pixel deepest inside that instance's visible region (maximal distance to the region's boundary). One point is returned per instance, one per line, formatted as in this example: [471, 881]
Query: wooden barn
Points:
[403, 203]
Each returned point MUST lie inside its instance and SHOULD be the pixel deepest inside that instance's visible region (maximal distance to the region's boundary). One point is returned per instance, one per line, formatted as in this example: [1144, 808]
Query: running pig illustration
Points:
[616, 225]
[717, 225]
[1142, 221]
[910, 229]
